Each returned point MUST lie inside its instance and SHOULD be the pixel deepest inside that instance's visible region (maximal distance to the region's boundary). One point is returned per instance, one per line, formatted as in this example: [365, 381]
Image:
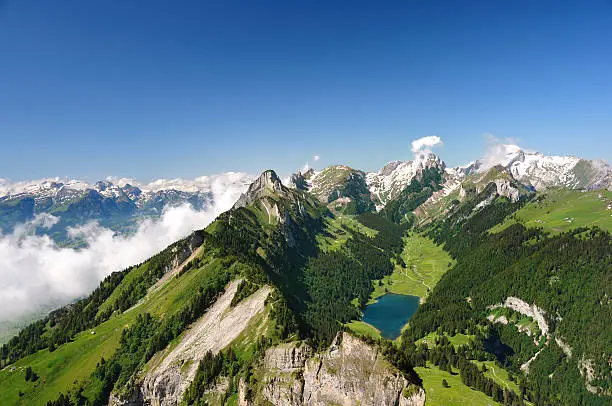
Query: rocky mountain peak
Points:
[540, 171]
[101, 185]
[266, 184]
[267, 180]
[390, 167]
[431, 160]
[309, 173]
[388, 183]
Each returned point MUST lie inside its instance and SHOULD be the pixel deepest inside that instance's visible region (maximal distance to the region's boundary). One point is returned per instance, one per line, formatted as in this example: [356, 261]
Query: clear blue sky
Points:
[154, 89]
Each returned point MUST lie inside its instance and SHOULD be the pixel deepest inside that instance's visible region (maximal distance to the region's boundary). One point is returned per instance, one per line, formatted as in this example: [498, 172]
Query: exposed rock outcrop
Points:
[524, 308]
[283, 368]
[267, 183]
[388, 183]
[507, 189]
[532, 311]
[350, 372]
[289, 357]
[504, 185]
[173, 370]
[194, 241]
[298, 181]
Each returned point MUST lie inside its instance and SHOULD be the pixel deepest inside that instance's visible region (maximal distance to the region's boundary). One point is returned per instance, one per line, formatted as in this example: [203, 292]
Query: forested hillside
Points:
[565, 275]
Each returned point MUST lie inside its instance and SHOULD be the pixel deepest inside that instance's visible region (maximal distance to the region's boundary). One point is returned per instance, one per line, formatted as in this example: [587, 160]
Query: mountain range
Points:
[117, 205]
[344, 186]
[121, 204]
[508, 259]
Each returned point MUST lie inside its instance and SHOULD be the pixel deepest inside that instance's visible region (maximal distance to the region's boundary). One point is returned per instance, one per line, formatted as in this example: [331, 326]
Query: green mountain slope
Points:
[557, 284]
[560, 210]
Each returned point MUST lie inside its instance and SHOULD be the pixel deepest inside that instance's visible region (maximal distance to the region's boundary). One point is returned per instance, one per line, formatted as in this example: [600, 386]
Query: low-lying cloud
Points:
[35, 273]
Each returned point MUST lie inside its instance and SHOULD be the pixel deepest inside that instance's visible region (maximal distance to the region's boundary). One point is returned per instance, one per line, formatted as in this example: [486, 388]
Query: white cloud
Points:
[423, 146]
[316, 158]
[35, 272]
[499, 151]
[42, 220]
[426, 143]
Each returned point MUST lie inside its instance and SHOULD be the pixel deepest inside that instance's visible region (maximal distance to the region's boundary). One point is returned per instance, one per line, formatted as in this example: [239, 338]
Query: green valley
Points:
[422, 265]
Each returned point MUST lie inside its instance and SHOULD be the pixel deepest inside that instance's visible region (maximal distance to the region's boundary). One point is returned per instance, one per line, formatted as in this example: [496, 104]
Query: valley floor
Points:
[425, 263]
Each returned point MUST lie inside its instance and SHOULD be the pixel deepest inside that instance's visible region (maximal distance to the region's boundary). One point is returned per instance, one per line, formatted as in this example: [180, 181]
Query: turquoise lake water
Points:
[391, 313]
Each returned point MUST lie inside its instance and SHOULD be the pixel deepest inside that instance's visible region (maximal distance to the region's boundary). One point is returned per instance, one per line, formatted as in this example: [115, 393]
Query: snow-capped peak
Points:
[45, 187]
[112, 187]
[541, 171]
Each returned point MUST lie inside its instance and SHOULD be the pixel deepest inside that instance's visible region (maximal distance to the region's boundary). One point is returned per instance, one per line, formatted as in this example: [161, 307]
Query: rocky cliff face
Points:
[195, 240]
[351, 372]
[268, 183]
[505, 184]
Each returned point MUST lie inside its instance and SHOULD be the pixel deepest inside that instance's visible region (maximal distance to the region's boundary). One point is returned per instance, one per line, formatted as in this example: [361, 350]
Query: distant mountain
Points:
[544, 171]
[348, 190]
[392, 179]
[117, 205]
[515, 173]
[341, 187]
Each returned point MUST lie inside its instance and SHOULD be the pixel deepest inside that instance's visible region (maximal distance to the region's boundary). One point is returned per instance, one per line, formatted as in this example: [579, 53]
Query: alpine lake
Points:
[390, 313]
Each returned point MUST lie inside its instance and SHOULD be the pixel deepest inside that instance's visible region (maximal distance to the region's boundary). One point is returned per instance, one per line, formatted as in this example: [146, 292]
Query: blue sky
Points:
[151, 89]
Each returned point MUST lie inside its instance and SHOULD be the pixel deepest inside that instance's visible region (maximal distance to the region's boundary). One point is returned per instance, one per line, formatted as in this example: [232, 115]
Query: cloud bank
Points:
[35, 273]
